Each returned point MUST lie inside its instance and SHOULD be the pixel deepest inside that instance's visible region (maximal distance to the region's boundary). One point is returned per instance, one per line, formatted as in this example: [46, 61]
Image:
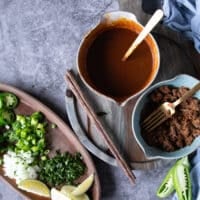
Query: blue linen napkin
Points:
[179, 15]
[195, 177]
[184, 16]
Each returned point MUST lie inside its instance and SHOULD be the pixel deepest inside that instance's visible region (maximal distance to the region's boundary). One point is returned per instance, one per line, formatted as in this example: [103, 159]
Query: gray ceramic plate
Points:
[76, 123]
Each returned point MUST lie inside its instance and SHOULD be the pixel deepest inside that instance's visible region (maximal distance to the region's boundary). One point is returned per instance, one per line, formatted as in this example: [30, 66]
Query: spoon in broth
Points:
[153, 21]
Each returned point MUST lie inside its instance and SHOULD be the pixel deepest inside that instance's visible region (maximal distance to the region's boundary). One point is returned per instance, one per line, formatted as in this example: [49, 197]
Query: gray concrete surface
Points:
[38, 42]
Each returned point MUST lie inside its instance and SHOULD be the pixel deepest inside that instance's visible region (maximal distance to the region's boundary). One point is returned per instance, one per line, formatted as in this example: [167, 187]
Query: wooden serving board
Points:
[116, 119]
[61, 138]
[177, 55]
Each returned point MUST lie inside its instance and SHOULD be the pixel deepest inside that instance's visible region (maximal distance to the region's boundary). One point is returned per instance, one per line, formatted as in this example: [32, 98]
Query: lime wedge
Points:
[84, 186]
[57, 195]
[34, 186]
[68, 189]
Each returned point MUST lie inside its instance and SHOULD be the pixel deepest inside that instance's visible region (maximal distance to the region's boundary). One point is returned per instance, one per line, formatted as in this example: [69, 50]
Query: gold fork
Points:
[166, 110]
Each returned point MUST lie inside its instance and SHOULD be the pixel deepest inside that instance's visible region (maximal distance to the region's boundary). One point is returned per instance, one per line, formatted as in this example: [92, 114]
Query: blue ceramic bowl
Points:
[153, 152]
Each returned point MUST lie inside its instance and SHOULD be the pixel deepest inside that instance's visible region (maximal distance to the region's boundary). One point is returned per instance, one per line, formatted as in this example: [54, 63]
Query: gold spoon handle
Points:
[156, 17]
[187, 95]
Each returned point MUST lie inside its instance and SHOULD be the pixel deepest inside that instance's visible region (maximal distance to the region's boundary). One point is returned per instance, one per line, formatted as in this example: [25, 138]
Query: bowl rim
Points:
[168, 155]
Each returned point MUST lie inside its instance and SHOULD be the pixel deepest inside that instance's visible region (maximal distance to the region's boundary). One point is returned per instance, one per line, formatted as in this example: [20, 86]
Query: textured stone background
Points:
[38, 42]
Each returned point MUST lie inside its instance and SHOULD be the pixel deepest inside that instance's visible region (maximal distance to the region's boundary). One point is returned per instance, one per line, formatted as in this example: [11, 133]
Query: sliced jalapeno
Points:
[8, 100]
[1, 102]
[166, 187]
[183, 161]
[182, 182]
[177, 178]
[6, 117]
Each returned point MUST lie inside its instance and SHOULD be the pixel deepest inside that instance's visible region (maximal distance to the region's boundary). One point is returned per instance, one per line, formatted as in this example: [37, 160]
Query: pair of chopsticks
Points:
[72, 84]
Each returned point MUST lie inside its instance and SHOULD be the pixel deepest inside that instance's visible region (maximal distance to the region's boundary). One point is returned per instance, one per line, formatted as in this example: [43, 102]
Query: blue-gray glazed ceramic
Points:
[153, 152]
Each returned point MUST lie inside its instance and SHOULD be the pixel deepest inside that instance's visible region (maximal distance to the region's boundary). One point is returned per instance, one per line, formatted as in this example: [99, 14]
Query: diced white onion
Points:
[18, 166]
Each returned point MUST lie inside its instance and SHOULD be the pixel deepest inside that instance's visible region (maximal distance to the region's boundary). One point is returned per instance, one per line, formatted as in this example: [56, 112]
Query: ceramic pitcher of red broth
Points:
[100, 64]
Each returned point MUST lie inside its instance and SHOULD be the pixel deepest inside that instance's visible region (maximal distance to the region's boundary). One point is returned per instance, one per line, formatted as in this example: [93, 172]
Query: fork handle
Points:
[187, 95]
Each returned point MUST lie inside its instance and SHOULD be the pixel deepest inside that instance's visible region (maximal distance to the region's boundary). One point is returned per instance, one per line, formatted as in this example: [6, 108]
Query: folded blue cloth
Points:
[180, 15]
[184, 16]
[195, 177]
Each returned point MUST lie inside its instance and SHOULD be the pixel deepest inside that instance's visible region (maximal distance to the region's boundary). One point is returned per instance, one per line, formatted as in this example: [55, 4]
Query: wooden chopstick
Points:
[72, 84]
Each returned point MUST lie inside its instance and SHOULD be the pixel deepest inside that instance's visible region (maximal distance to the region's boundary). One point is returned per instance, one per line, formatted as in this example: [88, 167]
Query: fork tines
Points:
[154, 119]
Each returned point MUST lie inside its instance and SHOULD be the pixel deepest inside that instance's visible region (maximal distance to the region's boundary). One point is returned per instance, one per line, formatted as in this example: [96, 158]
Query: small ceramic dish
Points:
[153, 152]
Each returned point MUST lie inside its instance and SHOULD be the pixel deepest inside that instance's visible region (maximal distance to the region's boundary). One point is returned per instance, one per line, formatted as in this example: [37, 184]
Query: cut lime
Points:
[57, 195]
[68, 189]
[81, 197]
[34, 186]
[84, 186]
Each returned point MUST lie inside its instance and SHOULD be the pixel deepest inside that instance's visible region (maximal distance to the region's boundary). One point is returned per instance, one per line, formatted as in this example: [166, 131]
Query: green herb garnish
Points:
[62, 169]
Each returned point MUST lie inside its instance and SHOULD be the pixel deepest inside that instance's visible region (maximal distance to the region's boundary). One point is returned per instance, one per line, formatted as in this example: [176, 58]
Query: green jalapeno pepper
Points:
[6, 117]
[182, 182]
[8, 100]
[167, 186]
[183, 161]
[1, 103]
[177, 178]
